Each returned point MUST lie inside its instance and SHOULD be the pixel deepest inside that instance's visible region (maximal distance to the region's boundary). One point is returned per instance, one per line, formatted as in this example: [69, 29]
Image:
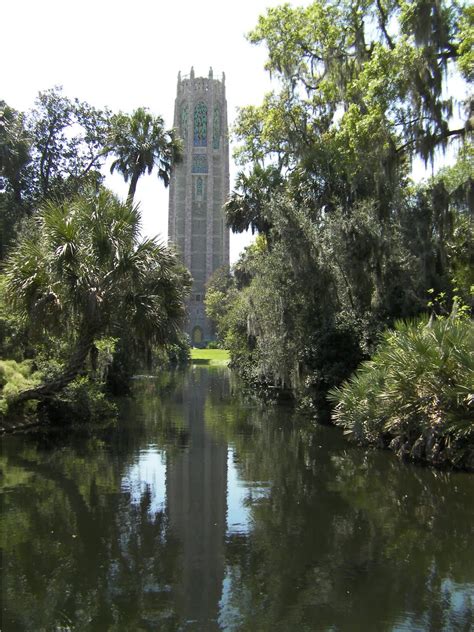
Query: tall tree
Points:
[15, 145]
[141, 144]
[362, 90]
[352, 244]
[15, 156]
[70, 140]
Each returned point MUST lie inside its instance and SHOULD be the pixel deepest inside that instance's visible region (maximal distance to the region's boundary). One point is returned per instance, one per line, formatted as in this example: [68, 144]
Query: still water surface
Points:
[202, 511]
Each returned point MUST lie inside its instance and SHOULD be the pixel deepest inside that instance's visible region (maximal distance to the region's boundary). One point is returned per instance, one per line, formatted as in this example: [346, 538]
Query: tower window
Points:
[200, 125]
[199, 163]
[199, 188]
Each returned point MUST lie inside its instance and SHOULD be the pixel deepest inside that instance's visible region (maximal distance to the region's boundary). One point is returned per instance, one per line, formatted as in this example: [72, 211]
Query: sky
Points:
[128, 54]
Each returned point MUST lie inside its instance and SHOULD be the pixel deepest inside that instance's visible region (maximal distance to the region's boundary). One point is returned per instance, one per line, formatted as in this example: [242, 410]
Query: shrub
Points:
[82, 401]
[416, 394]
[15, 377]
[178, 352]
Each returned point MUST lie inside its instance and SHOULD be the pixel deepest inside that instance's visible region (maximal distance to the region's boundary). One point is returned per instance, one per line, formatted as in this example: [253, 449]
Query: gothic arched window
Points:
[200, 125]
[197, 333]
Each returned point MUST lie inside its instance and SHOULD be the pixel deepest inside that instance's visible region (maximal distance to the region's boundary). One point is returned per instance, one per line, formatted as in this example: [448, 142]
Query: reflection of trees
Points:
[342, 539]
[81, 553]
[346, 538]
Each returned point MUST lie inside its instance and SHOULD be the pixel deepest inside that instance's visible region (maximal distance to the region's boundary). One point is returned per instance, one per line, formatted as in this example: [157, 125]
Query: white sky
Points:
[127, 54]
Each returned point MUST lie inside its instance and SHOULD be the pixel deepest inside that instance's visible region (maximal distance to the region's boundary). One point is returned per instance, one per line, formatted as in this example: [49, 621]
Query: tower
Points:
[199, 188]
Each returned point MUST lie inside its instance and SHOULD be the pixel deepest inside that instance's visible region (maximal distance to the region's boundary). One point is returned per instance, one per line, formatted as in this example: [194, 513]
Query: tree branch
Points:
[383, 23]
[461, 132]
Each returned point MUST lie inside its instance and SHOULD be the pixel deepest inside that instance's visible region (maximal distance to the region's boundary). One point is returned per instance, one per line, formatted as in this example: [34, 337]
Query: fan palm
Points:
[415, 395]
[141, 144]
[84, 271]
[247, 206]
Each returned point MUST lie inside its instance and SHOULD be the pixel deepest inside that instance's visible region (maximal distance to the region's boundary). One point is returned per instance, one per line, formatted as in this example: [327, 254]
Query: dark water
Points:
[199, 511]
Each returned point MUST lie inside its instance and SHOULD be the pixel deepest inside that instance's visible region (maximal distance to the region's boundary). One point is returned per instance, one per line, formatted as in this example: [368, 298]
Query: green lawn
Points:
[211, 357]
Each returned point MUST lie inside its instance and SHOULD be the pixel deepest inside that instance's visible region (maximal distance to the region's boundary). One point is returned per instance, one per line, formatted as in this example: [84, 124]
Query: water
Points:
[201, 511]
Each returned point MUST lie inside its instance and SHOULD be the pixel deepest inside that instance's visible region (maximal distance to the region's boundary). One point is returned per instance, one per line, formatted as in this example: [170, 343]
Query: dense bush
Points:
[14, 377]
[81, 401]
[416, 394]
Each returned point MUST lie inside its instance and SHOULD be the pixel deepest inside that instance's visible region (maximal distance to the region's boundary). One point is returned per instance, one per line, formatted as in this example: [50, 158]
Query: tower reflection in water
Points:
[195, 481]
[196, 490]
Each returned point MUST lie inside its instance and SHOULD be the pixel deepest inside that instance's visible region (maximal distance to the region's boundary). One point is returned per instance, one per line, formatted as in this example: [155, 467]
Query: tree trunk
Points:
[133, 186]
[76, 363]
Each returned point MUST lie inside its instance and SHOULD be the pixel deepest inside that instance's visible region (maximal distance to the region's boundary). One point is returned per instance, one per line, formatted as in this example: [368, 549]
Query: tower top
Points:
[192, 76]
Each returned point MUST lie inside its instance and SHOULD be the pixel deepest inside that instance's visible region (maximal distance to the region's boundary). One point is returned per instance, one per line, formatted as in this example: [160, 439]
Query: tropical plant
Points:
[80, 271]
[141, 144]
[415, 395]
[247, 204]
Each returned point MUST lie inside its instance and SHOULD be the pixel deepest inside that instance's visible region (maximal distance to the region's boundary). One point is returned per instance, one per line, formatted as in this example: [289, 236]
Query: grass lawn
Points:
[211, 357]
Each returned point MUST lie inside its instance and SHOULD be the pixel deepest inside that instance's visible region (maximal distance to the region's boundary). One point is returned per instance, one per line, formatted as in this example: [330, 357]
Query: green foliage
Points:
[218, 297]
[14, 378]
[466, 42]
[247, 205]
[80, 287]
[57, 150]
[416, 393]
[81, 270]
[13, 335]
[178, 351]
[82, 401]
[69, 141]
[141, 145]
[82, 262]
[350, 244]
[14, 160]
[367, 78]
[213, 344]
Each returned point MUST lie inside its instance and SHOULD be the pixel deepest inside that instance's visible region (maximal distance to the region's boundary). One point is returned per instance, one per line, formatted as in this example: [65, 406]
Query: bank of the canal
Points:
[202, 511]
[210, 357]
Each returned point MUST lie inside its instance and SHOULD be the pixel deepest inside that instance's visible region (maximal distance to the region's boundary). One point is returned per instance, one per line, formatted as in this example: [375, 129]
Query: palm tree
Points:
[141, 144]
[82, 272]
[247, 206]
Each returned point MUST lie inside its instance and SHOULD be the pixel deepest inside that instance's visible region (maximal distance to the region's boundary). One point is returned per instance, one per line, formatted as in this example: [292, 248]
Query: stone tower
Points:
[198, 189]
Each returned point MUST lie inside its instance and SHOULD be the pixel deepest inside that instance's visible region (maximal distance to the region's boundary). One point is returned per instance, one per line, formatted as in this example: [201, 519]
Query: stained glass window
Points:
[200, 125]
[199, 163]
[216, 131]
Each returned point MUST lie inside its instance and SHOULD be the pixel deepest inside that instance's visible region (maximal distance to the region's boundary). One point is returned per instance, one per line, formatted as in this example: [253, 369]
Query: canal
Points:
[203, 510]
